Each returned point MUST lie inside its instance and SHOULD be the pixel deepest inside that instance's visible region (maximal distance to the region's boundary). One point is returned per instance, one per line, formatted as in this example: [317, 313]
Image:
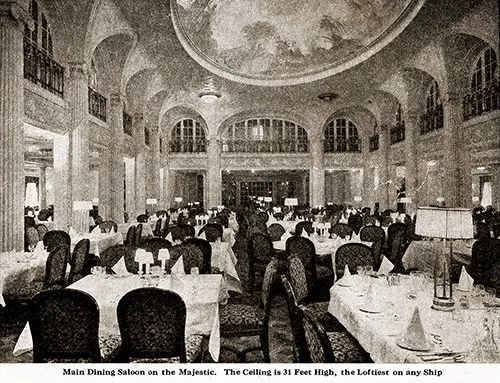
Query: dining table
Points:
[19, 271]
[201, 294]
[98, 241]
[420, 255]
[378, 313]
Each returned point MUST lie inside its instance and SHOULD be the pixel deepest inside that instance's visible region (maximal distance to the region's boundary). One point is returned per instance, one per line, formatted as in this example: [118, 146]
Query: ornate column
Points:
[367, 193]
[117, 161]
[383, 160]
[455, 174]
[12, 21]
[77, 95]
[105, 170]
[43, 187]
[214, 176]
[154, 170]
[412, 128]
[140, 165]
[317, 173]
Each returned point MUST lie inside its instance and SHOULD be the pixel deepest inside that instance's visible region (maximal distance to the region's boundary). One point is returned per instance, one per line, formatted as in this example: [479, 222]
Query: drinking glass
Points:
[195, 271]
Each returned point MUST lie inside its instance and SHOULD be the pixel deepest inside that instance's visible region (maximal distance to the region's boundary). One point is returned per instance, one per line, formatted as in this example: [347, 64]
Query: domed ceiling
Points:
[287, 42]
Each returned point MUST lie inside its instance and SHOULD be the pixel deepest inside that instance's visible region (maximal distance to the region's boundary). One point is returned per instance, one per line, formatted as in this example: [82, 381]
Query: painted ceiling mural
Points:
[287, 41]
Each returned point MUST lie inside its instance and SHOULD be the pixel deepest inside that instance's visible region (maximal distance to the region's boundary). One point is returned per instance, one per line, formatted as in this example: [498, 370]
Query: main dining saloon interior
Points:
[256, 181]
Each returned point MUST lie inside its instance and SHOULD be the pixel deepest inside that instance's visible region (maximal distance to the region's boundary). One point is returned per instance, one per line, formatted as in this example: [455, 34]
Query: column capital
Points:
[138, 117]
[77, 68]
[451, 98]
[116, 99]
[12, 13]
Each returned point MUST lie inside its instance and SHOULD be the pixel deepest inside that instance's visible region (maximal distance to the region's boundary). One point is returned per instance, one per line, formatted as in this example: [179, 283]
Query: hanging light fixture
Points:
[209, 94]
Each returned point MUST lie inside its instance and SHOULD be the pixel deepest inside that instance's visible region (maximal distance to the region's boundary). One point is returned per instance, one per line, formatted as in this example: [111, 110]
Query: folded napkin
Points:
[203, 236]
[414, 335]
[355, 238]
[304, 234]
[96, 230]
[386, 266]
[346, 279]
[178, 268]
[120, 268]
[169, 238]
[465, 282]
[39, 248]
[371, 303]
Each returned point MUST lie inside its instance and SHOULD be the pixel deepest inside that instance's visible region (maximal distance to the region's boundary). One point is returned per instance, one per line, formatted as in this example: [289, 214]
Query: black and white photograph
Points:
[234, 185]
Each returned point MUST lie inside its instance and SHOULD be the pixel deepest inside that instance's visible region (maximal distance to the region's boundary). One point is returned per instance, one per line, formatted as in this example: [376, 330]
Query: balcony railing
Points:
[339, 145]
[127, 124]
[397, 132]
[266, 146]
[374, 142]
[97, 105]
[188, 146]
[42, 69]
[483, 101]
[432, 120]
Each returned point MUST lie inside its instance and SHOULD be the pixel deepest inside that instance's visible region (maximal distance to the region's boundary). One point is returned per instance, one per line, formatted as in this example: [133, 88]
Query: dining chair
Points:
[298, 280]
[130, 238]
[110, 256]
[153, 245]
[152, 325]
[276, 231]
[244, 320]
[191, 257]
[280, 216]
[138, 234]
[212, 231]
[64, 326]
[485, 254]
[31, 238]
[42, 230]
[397, 244]
[29, 222]
[303, 225]
[108, 227]
[55, 268]
[260, 253]
[79, 258]
[342, 230]
[328, 347]
[298, 336]
[54, 238]
[376, 235]
[352, 255]
[206, 250]
[142, 218]
[188, 231]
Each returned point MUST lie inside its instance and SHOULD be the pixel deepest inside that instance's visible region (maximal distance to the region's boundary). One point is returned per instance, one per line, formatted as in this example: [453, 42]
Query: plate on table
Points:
[403, 344]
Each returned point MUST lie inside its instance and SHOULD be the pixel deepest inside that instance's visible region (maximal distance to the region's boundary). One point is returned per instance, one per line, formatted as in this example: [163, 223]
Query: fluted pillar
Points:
[43, 187]
[317, 173]
[117, 162]
[454, 169]
[412, 128]
[12, 22]
[105, 170]
[383, 161]
[154, 171]
[79, 144]
[140, 165]
[214, 175]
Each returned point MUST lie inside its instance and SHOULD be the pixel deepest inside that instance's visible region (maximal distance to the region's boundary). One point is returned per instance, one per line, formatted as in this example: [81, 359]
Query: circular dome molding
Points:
[287, 42]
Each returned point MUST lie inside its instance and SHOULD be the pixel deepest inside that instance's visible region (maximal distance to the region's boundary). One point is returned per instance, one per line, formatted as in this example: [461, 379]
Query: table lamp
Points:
[448, 224]
[290, 202]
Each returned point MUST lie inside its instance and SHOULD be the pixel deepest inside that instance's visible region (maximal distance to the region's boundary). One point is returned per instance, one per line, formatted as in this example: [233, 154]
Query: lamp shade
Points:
[452, 223]
[405, 200]
[178, 199]
[151, 201]
[358, 198]
[291, 202]
[82, 205]
[268, 199]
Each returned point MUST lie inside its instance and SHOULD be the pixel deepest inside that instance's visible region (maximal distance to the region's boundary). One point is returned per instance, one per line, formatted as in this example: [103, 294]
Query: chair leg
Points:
[264, 341]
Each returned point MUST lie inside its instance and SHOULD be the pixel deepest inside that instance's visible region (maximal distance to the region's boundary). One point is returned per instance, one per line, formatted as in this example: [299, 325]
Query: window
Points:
[147, 136]
[432, 119]
[97, 102]
[341, 135]
[188, 136]
[265, 135]
[484, 86]
[397, 131]
[39, 64]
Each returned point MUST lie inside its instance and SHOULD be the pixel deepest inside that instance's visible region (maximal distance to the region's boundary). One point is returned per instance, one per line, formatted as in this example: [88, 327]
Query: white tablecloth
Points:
[99, 241]
[200, 294]
[326, 247]
[420, 255]
[228, 234]
[18, 270]
[147, 231]
[377, 333]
